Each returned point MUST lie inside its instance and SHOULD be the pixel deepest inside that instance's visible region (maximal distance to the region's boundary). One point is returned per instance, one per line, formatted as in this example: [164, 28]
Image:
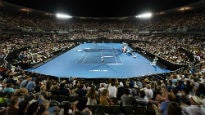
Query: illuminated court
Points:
[101, 60]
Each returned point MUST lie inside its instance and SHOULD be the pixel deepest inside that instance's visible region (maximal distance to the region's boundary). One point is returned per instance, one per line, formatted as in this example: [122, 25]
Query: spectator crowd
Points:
[179, 92]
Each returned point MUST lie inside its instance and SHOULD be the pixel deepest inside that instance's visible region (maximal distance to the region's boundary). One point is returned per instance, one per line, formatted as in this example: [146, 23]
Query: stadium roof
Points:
[102, 8]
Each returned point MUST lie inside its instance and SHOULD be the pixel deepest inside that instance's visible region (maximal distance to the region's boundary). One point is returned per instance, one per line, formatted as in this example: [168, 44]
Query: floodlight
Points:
[25, 10]
[63, 16]
[144, 15]
[185, 8]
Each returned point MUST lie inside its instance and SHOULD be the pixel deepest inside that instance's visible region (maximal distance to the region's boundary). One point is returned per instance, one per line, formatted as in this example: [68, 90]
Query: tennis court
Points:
[101, 60]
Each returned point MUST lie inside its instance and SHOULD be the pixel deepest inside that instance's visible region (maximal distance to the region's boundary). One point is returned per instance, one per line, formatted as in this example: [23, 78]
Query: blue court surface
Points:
[101, 60]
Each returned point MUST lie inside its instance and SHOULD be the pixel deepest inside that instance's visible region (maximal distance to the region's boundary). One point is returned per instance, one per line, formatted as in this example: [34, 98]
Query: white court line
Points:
[114, 64]
[98, 70]
[108, 56]
[84, 58]
[102, 60]
[119, 58]
[113, 52]
[87, 48]
[83, 53]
